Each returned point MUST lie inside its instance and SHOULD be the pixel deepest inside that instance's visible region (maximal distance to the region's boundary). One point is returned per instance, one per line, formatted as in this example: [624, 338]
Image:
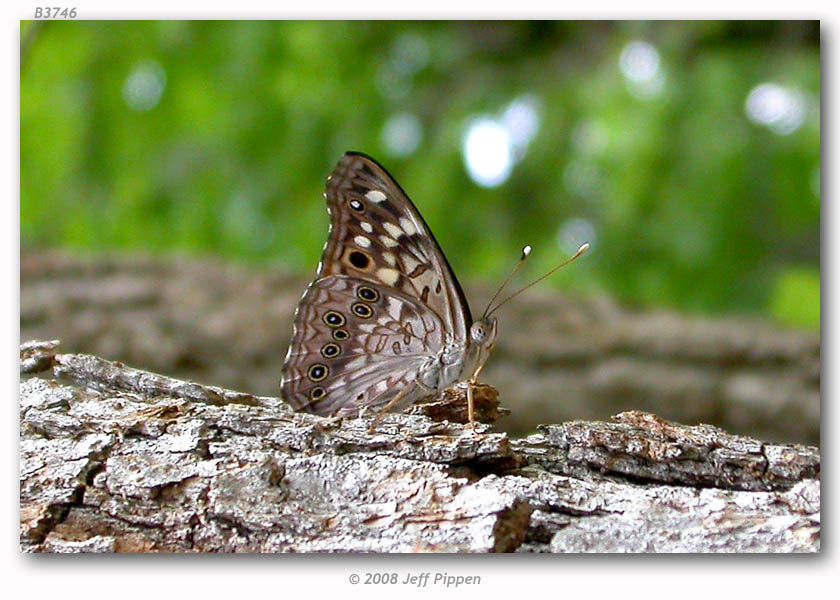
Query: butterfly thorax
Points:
[460, 361]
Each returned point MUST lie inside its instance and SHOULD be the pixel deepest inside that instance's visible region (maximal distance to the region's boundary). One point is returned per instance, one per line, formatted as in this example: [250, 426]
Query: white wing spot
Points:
[389, 258]
[320, 267]
[410, 263]
[389, 241]
[393, 229]
[362, 241]
[388, 276]
[366, 226]
[408, 226]
[376, 196]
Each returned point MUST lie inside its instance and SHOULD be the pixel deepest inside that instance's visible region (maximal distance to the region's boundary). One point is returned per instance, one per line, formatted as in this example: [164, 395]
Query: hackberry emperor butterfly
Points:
[385, 323]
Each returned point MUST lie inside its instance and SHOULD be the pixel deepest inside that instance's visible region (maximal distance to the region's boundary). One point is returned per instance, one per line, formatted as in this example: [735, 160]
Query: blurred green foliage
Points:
[216, 138]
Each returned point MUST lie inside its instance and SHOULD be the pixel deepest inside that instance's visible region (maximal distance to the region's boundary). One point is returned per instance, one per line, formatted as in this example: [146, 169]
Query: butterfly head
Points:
[483, 332]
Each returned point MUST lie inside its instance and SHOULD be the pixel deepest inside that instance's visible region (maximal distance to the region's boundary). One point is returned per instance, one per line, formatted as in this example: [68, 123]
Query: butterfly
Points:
[385, 323]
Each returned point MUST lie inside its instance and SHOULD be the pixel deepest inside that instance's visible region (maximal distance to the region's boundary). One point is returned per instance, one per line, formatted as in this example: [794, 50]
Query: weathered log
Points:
[230, 325]
[114, 459]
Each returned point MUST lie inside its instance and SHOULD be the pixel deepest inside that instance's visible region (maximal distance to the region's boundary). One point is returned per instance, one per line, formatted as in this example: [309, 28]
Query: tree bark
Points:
[230, 325]
[115, 459]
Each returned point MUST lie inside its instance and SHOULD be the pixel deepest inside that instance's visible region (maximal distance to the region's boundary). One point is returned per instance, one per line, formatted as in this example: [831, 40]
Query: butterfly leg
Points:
[470, 405]
[473, 381]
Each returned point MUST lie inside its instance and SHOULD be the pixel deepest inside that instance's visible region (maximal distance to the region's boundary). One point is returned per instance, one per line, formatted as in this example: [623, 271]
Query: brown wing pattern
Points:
[355, 344]
[384, 302]
[377, 234]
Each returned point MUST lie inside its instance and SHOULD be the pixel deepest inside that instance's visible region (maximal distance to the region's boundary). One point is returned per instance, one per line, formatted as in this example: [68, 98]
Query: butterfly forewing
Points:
[377, 234]
[383, 304]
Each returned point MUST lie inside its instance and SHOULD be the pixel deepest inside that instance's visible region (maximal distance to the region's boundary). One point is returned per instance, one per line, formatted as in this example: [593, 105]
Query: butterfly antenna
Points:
[581, 250]
[525, 252]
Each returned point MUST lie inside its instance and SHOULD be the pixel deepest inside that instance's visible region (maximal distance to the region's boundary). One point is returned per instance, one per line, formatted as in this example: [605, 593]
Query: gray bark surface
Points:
[115, 459]
[230, 326]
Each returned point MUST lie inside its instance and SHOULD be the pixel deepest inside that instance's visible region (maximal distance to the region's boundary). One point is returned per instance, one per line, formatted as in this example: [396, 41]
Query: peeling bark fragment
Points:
[114, 459]
[37, 356]
[453, 405]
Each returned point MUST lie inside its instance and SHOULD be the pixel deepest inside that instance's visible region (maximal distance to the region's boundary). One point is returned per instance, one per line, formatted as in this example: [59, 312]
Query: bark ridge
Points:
[116, 459]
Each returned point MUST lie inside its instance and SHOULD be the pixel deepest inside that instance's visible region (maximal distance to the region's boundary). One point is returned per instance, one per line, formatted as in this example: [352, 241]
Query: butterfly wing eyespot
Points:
[330, 350]
[334, 319]
[340, 335]
[318, 372]
[362, 310]
[368, 294]
[357, 259]
[356, 206]
[317, 393]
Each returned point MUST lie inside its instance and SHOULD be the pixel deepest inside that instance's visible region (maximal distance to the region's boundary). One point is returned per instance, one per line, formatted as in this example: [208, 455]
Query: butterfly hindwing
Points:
[355, 344]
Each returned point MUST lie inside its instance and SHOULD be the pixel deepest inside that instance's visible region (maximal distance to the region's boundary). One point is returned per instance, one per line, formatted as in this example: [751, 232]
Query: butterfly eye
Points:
[334, 319]
[340, 335]
[356, 205]
[362, 310]
[318, 372]
[367, 294]
[330, 350]
[317, 393]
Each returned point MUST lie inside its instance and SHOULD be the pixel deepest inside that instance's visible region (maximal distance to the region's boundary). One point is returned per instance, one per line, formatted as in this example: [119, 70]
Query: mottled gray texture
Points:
[114, 459]
[556, 358]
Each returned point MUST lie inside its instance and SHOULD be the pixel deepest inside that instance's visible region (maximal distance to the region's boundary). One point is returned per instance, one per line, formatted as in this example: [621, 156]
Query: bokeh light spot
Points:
[522, 120]
[144, 86]
[779, 108]
[391, 83]
[639, 61]
[589, 138]
[488, 152]
[493, 143]
[402, 134]
[574, 232]
[410, 53]
[640, 65]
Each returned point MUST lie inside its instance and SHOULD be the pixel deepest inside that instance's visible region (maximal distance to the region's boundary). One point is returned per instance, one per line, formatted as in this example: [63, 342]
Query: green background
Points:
[215, 138]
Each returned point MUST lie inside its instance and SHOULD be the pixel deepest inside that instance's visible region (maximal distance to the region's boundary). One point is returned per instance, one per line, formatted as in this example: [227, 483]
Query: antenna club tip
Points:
[583, 248]
[526, 251]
